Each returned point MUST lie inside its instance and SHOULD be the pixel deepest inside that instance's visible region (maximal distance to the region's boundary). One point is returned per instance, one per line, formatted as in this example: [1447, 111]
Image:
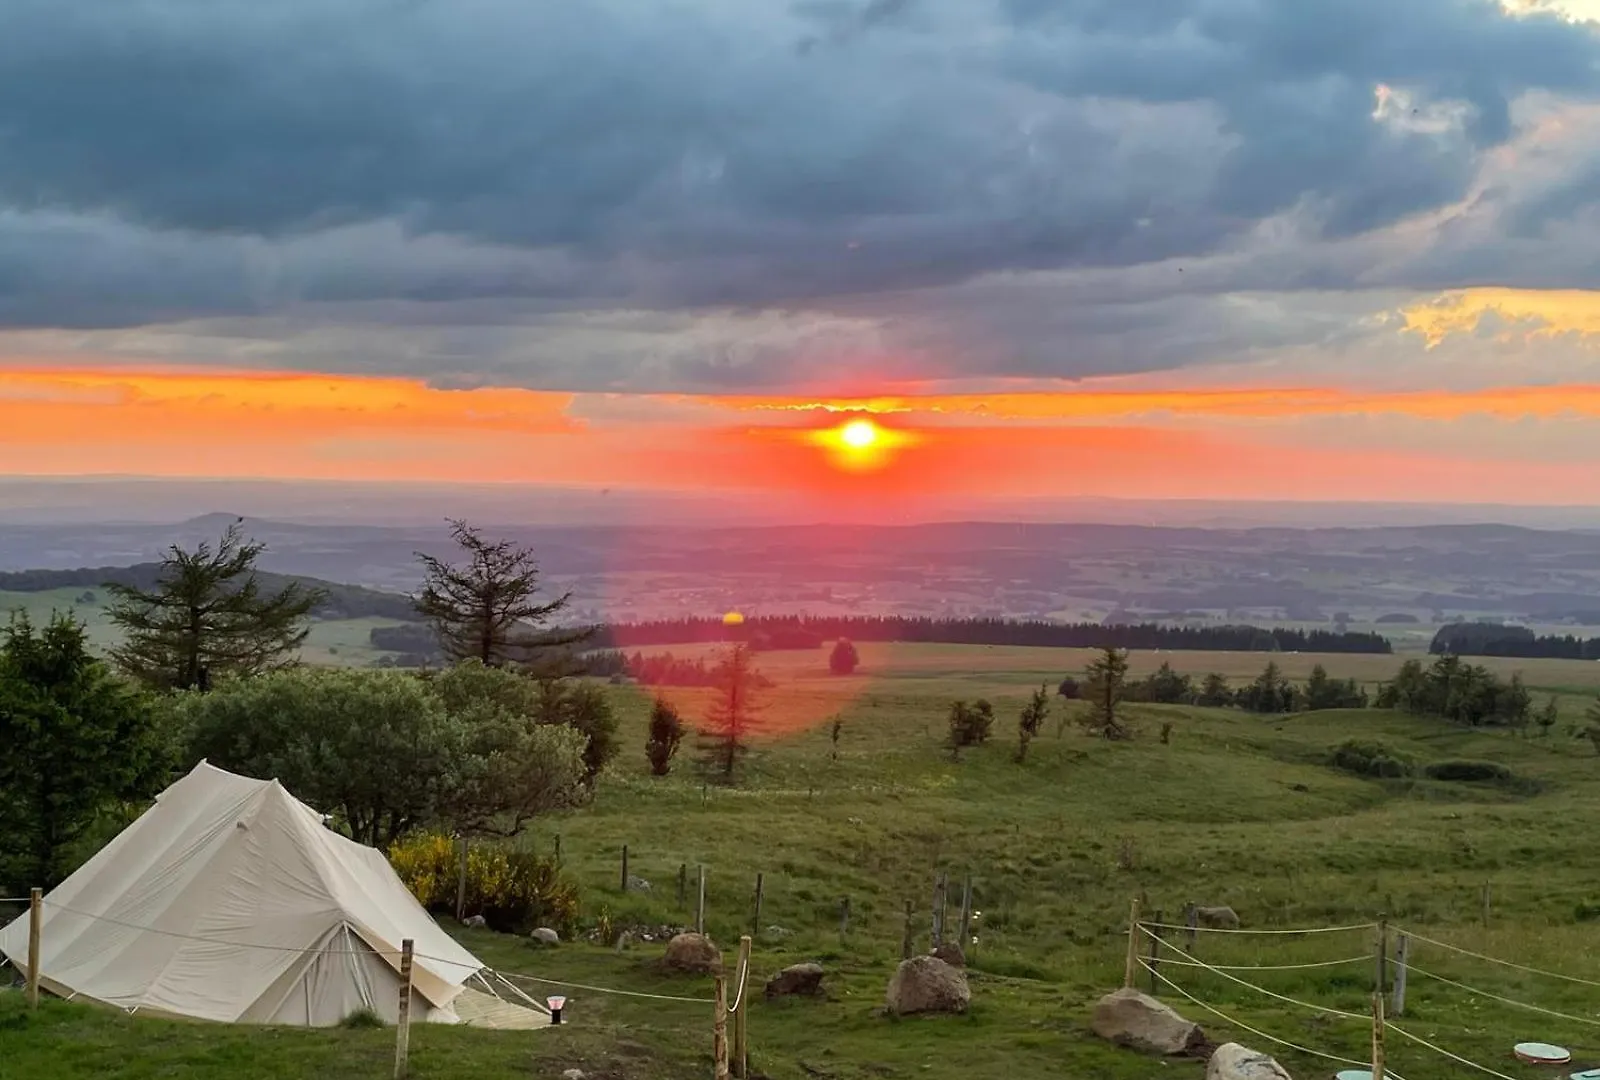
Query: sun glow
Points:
[861, 444]
[859, 434]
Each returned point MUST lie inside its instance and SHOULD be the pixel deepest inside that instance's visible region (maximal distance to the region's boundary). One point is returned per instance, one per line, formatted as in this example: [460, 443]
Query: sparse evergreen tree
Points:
[1106, 680]
[844, 659]
[835, 731]
[1031, 720]
[208, 616]
[1214, 692]
[1547, 717]
[485, 609]
[666, 732]
[1593, 730]
[725, 739]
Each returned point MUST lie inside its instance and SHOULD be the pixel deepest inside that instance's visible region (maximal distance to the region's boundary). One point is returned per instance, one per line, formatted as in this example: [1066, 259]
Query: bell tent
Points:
[230, 900]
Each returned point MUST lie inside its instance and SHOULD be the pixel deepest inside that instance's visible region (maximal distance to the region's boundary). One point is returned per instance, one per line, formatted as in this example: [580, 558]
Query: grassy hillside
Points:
[1236, 810]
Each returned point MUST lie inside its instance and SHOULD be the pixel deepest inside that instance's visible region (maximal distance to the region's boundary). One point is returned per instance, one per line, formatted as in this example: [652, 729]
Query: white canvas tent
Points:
[230, 900]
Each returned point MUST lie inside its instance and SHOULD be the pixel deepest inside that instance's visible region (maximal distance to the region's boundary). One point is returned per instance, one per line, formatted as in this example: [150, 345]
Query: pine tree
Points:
[725, 738]
[1105, 682]
[207, 615]
[484, 610]
[1031, 720]
[666, 732]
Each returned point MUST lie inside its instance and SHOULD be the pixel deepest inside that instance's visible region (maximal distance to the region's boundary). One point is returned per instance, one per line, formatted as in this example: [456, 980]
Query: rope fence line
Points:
[14, 899]
[515, 975]
[1324, 1009]
[1230, 930]
[1219, 1014]
[1496, 960]
[1503, 1000]
[1418, 1039]
[1366, 959]
[744, 973]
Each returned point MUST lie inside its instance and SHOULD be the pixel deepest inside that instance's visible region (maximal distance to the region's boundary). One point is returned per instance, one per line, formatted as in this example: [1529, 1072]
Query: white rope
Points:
[1441, 1050]
[1497, 960]
[1225, 930]
[15, 899]
[744, 973]
[1505, 1000]
[1271, 994]
[1268, 967]
[602, 989]
[1219, 1014]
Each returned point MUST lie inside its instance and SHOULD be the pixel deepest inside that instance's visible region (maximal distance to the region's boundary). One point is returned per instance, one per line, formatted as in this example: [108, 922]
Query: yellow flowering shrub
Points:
[513, 890]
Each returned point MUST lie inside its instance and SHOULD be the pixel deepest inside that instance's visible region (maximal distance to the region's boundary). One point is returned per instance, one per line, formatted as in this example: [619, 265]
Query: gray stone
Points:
[1230, 1061]
[1129, 1018]
[1222, 918]
[798, 980]
[546, 936]
[475, 922]
[572, 1074]
[638, 884]
[926, 984]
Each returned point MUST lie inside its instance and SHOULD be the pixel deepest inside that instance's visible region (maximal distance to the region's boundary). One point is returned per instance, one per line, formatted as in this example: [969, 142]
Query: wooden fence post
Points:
[700, 905]
[1191, 920]
[906, 934]
[844, 918]
[1155, 953]
[719, 1031]
[1377, 1037]
[35, 943]
[1401, 956]
[624, 867]
[741, 1030]
[683, 885]
[1380, 972]
[402, 1034]
[755, 919]
[938, 909]
[558, 849]
[964, 930]
[1483, 903]
[1133, 943]
[461, 882]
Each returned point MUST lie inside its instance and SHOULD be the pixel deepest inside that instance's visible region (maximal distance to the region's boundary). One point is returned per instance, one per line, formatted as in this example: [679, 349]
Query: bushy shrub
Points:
[1467, 771]
[970, 724]
[1370, 759]
[514, 891]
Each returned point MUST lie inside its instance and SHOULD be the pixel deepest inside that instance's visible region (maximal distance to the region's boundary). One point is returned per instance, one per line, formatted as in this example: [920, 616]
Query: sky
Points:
[1342, 250]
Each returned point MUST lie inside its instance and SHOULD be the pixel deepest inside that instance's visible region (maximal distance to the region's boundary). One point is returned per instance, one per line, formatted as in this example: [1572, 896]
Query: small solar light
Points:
[556, 1005]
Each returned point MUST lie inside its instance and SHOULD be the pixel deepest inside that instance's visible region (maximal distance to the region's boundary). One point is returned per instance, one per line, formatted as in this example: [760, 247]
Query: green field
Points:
[1237, 810]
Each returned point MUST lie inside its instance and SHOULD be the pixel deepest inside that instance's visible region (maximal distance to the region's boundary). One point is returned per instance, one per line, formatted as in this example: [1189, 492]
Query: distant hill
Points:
[342, 601]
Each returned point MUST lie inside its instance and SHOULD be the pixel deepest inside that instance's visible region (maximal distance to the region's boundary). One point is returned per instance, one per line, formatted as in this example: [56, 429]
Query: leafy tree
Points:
[731, 721]
[1214, 692]
[1546, 719]
[1165, 686]
[844, 659]
[388, 751]
[666, 732]
[207, 615]
[1031, 720]
[1069, 689]
[1269, 693]
[484, 609]
[1104, 685]
[76, 741]
[1323, 692]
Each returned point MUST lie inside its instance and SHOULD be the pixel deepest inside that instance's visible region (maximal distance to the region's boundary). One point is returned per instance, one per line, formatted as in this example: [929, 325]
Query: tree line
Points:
[813, 631]
[1496, 639]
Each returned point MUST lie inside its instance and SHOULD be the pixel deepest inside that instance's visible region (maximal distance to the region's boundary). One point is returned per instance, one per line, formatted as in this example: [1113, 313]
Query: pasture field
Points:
[1236, 809]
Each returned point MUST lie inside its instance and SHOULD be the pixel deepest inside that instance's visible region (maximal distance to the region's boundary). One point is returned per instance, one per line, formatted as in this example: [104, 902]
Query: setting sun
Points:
[859, 434]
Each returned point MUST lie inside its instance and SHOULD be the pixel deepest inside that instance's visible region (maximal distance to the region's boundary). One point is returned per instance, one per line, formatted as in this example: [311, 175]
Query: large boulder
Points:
[797, 981]
[926, 984]
[1218, 918]
[692, 954]
[1230, 1061]
[1129, 1018]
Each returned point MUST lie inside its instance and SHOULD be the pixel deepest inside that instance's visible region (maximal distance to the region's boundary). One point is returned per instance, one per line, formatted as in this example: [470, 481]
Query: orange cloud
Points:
[1536, 313]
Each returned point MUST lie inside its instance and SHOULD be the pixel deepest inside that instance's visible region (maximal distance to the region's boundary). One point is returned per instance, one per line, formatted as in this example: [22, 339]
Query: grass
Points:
[1238, 810]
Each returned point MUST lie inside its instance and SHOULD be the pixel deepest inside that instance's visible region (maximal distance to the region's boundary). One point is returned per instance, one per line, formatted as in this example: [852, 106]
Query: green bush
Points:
[1467, 771]
[514, 891]
[1587, 911]
[1370, 759]
[970, 724]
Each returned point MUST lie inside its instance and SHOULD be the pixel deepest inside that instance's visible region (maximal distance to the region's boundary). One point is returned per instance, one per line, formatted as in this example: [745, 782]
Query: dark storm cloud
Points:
[169, 159]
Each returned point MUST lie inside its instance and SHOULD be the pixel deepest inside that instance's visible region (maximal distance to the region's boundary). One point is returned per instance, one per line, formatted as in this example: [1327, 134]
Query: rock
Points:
[1129, 1018]
[625, 941]
[692, 954]
[475, 922]
[927, 984]
[638, 884]
[951, 954]
[1230, 1061]
[779, 931]
[546, 936]
[796, 981]
[1222, 918]
[572, 1074]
